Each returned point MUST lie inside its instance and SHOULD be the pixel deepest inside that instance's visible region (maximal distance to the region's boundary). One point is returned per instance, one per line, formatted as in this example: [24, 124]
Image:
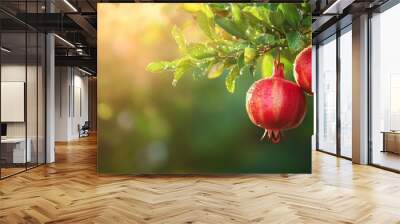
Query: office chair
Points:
[84, 130]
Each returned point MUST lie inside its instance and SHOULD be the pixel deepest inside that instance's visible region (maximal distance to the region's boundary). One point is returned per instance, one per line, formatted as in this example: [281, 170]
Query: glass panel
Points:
[346, 94]
[385, 87]
[41, 99]
[327, 96]
[14, 154]
[31, 100]
[31, 88]
[23, 91]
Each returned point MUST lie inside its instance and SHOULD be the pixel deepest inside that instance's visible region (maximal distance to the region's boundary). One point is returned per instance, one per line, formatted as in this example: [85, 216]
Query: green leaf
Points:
[271, 6]
[230, 80]
[295, 41]
[179, 38]
[276, 18]
[249, 55]
[236, 14]
[254, 22]
[216, 70]
[290, 13]
[267, 65]
[307, 21]
[230, 27]
[207, 11]
[200, 51]
[288, 68]
[183, 67]
[160, 66]
[306, 7]
[229, 47]
[240, 60]
[219, 6]
[245, 70]
[201, 69]
[252, 33]
[260, 13]
[258, 67]
[206, 24]
[230, 61]
[242, 31]
[265, 39]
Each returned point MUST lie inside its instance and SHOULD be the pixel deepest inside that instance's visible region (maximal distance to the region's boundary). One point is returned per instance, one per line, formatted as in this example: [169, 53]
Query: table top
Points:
[391, 132]
[13, 140]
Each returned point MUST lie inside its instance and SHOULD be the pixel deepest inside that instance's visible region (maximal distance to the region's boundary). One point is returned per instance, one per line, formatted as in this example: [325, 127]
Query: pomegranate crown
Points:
[279, 71]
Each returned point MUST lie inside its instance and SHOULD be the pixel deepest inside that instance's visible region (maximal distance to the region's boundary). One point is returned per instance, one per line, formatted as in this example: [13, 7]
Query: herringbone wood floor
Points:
[70, 191]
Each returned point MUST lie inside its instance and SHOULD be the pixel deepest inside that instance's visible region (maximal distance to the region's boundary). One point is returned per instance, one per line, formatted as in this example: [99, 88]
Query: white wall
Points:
[12, 73]
[61, 103]
[71, 102]
[80, 109]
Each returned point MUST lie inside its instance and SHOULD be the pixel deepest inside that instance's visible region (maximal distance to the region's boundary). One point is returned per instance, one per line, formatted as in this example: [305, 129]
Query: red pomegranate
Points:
[276, 104]
[302, 70]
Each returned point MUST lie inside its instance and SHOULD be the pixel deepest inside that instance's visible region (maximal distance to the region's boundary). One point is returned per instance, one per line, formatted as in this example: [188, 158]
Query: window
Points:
[326, 93]
[334, 106]
[385, 89]
[345, 92]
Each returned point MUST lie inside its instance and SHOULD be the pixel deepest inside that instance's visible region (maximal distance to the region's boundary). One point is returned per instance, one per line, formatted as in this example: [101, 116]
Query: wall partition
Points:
[22, 93]
[14, 153]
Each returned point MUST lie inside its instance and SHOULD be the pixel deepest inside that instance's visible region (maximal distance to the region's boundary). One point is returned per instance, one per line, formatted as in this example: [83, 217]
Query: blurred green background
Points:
[146, 126]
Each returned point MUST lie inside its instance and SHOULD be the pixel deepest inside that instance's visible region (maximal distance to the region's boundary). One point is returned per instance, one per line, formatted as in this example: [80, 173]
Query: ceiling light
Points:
[338, 6]
[65, 41]
[331, 7]
[5, 50]
[80, 51]
[84, 71]
[70, 5]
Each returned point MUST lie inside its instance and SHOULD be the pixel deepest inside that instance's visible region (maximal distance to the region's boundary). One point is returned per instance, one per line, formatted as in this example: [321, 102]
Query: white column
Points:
[360, 90]
[50, 92]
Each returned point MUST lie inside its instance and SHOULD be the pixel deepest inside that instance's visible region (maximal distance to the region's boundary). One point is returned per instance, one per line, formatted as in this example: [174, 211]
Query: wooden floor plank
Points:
[70, 191]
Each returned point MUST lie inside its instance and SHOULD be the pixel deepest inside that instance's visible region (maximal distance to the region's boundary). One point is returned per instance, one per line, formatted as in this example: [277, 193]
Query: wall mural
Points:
[204, 88]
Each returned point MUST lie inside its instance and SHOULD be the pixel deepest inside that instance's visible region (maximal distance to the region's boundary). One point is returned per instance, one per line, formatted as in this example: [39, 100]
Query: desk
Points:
[391, 141]
[17, 150]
